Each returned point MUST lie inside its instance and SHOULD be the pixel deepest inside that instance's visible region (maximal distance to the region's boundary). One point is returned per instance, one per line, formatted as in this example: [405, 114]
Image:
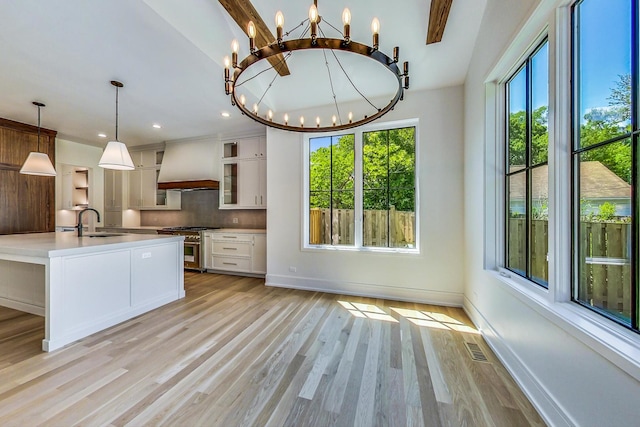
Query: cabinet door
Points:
[249, 148]
[249, 183]
[113, 218]
[135, 188]
[262, 176]
[112, 189]
[67, 189]
[146, 158]
[259, 254]
[148, 181]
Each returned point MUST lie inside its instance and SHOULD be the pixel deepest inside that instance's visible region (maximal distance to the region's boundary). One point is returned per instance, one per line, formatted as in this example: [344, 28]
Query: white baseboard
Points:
[552, 413]
[110, 320]
[425, 296]
[22, 306]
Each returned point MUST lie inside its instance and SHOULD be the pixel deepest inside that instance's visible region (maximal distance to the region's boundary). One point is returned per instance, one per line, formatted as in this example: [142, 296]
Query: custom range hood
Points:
[189, 165]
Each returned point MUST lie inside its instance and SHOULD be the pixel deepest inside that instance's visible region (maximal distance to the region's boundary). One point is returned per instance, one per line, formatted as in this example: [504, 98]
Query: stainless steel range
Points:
[193, 255]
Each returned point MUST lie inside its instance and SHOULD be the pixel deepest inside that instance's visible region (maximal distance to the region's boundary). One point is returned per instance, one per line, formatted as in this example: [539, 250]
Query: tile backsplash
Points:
[201, 208]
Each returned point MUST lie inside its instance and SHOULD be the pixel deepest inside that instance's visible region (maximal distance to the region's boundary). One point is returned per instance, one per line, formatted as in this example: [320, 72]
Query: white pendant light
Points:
[116, 155]
[38, 163]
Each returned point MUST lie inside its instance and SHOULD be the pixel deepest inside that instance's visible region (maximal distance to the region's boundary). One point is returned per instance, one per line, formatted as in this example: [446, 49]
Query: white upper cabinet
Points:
[143, 183]
[244, 167]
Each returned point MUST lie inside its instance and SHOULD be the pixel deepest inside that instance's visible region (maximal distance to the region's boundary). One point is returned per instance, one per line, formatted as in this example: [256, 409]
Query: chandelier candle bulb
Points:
[396, 53]
[255, 108]
[350, 117]
[286, 119]
[333, 119]
[318, 121]
[375, 29]
[270, 115]
[251, 31]
[226, 69]
[301, 121]
[242, 100]
[234, 53]
[313, 19]
[346, 21]
[405, 67]
[279, 25]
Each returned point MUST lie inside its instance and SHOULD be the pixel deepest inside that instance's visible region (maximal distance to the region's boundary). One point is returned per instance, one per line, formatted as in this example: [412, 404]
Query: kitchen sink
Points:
[104, 234]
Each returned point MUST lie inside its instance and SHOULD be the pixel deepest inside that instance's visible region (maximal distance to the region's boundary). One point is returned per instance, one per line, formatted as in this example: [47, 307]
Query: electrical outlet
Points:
[235, 220]
[292, 269]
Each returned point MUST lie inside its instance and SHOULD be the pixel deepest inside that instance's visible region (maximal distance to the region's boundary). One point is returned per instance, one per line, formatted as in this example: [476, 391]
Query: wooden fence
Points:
[604, 277]
[398, 233]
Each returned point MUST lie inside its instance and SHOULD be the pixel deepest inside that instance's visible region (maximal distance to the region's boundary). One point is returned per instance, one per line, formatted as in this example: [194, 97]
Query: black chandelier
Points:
[287, 47]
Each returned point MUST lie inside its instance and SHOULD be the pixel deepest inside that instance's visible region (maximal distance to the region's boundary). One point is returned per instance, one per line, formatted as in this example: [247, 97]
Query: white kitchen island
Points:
[82, 285]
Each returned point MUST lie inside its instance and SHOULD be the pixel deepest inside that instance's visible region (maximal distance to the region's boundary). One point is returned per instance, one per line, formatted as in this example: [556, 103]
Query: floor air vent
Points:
[476, 352]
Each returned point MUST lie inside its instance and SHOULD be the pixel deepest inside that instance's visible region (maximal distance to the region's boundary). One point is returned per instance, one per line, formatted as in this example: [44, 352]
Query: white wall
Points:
[568, 381]
[75, 154]
[434, 275]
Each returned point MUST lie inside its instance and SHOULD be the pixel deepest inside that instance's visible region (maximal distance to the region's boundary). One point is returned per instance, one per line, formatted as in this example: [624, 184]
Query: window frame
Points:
[609, 339]
[529, 167]
[576, 150]
[358, 231]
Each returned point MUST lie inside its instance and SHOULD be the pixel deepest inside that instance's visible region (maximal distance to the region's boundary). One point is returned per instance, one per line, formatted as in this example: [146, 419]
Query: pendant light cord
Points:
[116, 113]
[38, 128]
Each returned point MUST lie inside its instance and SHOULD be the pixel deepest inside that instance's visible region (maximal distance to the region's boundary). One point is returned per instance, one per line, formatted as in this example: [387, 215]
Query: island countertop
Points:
[49, 245]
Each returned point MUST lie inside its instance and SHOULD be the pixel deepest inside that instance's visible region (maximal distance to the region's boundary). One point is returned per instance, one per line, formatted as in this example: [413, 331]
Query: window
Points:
[332, 190]
[362, 189]
[605, 144]
[389, 196]
[526, 181]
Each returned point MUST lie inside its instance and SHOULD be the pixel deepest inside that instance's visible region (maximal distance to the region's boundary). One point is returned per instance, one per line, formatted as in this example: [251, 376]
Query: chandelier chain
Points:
[333, 92]
[345, 73]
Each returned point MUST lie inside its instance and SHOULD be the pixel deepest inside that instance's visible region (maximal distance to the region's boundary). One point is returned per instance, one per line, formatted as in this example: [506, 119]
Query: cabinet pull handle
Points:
[261, 200]
[230, 237]
[230, 249]
[229, 263]
[256, 200]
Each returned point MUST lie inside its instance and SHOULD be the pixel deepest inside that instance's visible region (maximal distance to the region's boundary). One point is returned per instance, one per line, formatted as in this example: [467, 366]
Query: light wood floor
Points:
[235, 352]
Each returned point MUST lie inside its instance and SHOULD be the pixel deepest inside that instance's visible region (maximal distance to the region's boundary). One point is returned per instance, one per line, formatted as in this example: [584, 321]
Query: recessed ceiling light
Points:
[102, 135]
[225, 114]
[157, 126]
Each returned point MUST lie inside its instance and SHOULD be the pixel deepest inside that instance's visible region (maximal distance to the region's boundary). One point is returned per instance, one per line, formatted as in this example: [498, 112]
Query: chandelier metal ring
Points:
[318, 43]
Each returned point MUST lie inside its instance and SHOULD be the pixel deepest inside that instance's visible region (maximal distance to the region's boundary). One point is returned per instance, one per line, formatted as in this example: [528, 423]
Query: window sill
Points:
[610, 340]
[387, 251]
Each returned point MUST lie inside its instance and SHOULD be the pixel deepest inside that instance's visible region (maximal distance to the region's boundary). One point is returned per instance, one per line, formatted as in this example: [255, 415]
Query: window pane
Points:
[320, 164]
[319, 209]
[331, 192]
[517, 127]
[343, 163]
[343, 218]
[517, 223]
[402, 219]
[603, 69]
[389, 188]
[540, 105]
[374, 160]
[604, 232]
[539, 225]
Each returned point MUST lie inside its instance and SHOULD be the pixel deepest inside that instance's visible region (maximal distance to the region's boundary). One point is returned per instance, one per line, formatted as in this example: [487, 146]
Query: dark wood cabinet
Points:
[27, 202]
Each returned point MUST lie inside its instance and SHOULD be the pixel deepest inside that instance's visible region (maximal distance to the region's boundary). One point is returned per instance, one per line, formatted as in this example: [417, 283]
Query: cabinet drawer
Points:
[230, 263]
[232, 237]
[232, 248]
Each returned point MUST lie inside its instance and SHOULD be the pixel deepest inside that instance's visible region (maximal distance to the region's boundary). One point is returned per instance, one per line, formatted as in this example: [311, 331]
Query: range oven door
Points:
[192, 255]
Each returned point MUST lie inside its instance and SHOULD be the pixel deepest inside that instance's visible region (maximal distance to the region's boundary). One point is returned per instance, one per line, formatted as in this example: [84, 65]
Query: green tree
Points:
[388, 171]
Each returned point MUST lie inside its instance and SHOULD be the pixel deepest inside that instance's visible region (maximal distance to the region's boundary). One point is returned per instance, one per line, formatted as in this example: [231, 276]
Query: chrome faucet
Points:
[80, 219]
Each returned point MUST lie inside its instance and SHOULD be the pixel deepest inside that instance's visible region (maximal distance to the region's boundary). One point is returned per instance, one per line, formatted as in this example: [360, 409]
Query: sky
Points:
[604, 24]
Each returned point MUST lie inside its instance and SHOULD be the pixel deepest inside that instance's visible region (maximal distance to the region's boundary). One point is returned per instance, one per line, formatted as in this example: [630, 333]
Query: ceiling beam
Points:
[242, 11]
[438, 16]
